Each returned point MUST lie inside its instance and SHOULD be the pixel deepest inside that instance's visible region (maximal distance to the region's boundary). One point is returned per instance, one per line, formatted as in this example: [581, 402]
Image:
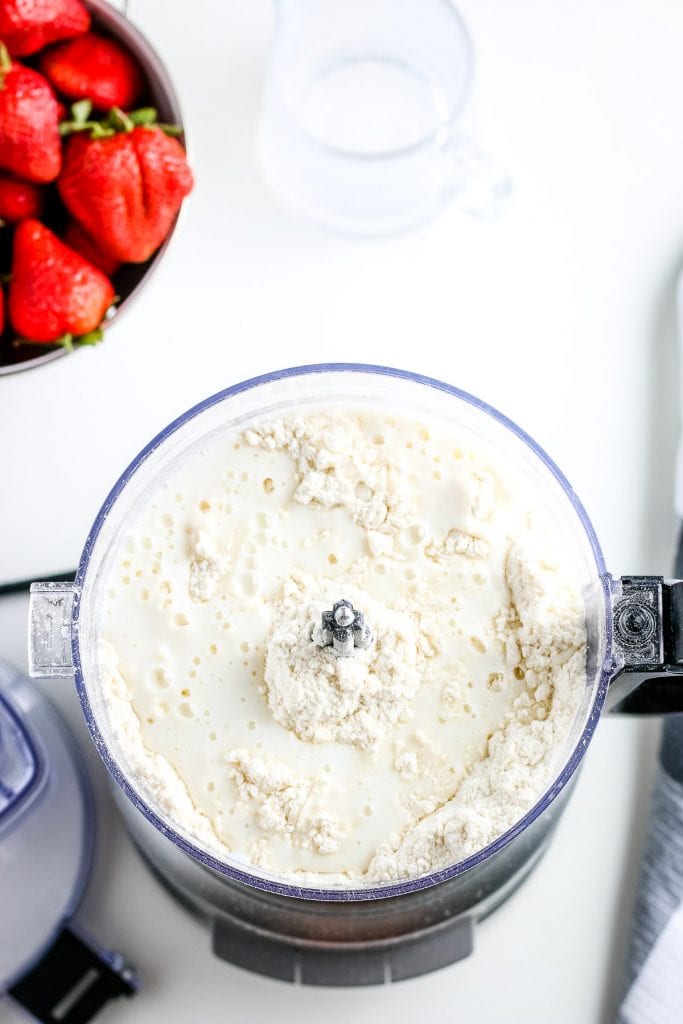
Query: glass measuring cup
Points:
[361, 112]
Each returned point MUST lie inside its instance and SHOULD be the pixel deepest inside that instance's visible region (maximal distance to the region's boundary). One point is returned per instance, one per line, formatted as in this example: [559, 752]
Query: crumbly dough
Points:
[282, 801]
[339, 465]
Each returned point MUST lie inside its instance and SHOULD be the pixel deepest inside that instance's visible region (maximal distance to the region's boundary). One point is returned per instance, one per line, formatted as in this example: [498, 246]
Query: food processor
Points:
[47, 829]
[383, 933]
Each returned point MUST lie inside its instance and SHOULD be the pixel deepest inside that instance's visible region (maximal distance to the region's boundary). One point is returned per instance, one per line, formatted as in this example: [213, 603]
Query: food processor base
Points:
[261, 933]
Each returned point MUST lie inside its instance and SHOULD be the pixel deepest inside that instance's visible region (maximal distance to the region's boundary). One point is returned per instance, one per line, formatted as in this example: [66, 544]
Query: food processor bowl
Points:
[335, 935]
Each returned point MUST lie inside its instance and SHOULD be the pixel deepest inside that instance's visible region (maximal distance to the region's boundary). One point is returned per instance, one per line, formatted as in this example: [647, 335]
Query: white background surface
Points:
[561, 314]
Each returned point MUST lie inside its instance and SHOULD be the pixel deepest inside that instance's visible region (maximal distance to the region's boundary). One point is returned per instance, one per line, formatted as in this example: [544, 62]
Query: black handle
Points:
[648, 646]
[72, 982]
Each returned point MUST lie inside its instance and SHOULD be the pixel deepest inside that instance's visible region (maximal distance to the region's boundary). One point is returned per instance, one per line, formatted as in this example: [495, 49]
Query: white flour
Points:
[273, 752]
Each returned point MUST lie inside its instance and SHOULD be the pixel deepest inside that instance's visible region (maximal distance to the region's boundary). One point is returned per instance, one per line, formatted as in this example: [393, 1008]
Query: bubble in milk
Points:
[414, 534]
[247, 584]
[160, 678]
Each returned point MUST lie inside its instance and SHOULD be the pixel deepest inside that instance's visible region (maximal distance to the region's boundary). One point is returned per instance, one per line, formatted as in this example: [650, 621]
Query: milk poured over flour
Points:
[274, 752]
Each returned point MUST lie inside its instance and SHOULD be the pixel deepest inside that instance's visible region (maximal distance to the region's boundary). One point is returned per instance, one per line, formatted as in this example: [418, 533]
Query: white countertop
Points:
[561, 314]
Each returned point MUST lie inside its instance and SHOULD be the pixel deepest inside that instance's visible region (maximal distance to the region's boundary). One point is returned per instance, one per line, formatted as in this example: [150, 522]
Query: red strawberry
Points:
[26, 26]
[125, 189]
[95, 68]
[19, 199]
[54, 294]
[30, 146]
[80, 241]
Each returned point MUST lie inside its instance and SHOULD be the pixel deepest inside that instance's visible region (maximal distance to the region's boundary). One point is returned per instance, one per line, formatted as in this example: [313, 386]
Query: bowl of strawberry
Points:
[93, 173]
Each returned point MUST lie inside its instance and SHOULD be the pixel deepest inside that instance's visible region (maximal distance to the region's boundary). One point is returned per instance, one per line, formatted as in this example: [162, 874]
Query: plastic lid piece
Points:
[47, 833]
[18, 762]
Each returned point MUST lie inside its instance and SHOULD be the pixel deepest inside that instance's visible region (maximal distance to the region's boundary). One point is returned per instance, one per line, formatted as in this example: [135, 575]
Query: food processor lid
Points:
[46, 849]
[19, 765]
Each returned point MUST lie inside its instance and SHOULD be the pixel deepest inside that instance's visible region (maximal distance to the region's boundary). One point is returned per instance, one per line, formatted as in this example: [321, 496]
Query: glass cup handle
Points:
[476, 182]
[49, 632]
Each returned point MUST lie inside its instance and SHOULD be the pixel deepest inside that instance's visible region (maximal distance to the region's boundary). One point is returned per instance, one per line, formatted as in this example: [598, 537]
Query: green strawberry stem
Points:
[116, 121]
[67, 341]
[81, 110]
[91, 338]
[5, 64]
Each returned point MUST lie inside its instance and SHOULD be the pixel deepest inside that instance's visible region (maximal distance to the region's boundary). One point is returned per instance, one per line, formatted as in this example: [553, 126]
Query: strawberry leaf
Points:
[5, 64]
[143, 116]
[69, 127]
[67, 341]
[100, 131]
[91, 338]
[81, 111]
[118, 120]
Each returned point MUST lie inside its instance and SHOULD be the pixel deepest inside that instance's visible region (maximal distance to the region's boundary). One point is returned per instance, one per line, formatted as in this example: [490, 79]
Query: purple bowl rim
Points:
[101, 10]
[403, 888]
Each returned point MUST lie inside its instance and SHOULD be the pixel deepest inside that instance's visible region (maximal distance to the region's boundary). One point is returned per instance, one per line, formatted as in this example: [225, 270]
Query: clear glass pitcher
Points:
[360, 126]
